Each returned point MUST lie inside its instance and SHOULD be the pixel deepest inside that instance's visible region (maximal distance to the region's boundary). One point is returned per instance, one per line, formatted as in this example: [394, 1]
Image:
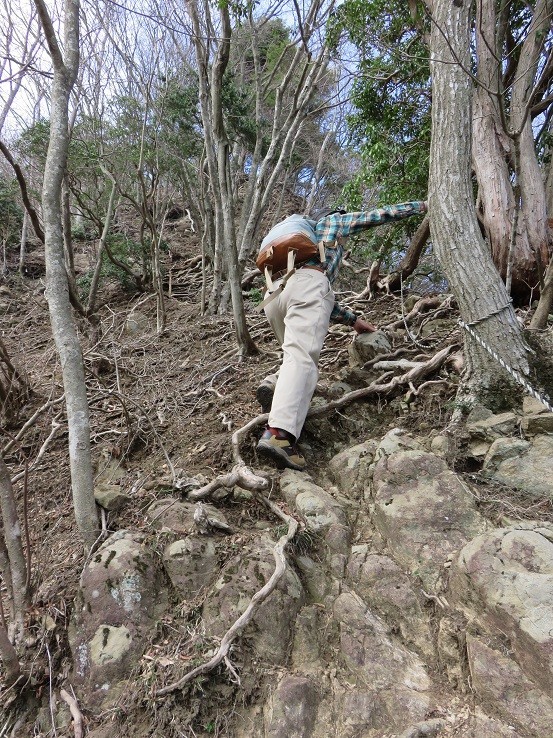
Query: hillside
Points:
[416, 598]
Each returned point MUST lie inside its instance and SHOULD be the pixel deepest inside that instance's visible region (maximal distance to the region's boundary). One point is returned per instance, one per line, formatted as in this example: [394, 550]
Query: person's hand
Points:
[361, 326]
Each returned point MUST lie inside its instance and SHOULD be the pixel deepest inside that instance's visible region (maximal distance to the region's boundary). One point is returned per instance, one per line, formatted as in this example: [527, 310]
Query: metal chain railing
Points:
[516, 376]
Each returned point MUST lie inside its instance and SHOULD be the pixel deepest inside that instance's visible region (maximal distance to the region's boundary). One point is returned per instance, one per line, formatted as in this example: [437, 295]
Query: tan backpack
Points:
[290, 242]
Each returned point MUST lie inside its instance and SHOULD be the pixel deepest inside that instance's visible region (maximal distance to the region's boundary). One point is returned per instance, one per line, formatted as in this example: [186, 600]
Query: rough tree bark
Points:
[496, 133]
[57, 288]
[457, 240]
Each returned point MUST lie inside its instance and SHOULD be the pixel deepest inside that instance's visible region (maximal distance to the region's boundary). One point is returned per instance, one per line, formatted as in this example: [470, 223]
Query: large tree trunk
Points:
[531, 180]
[507, 181]
[57, 287]
[466, 261]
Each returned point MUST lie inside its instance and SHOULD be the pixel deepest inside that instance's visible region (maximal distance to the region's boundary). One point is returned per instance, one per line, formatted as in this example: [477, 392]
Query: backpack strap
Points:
[271, 291]
[322, 253]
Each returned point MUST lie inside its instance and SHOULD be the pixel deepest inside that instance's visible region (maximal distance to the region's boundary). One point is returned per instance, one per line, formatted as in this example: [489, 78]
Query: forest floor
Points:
[163, 408]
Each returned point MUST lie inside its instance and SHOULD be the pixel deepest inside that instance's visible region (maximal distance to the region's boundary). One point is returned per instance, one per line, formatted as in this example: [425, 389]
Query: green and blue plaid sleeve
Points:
[342, 315]
[339, 225]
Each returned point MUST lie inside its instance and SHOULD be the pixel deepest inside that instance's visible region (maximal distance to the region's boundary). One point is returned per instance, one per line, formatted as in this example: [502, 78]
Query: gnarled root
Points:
[260, 596]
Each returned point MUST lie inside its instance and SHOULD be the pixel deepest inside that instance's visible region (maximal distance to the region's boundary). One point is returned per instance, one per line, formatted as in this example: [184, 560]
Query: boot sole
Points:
[280, 457]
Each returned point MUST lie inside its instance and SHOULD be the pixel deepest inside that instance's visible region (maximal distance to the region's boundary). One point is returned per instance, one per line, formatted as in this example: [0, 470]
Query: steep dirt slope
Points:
[366, 635]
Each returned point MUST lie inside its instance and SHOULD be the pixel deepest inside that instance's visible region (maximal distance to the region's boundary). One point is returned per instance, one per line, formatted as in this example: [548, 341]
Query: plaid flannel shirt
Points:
[334, 229]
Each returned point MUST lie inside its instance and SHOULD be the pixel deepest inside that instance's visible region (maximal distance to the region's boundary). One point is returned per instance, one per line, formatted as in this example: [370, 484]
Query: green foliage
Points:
[33, 143]
[255, 295]
[239, 111]
[390, 125]
[124, 250]
[391, 122]
[11, 215]
[181, 120]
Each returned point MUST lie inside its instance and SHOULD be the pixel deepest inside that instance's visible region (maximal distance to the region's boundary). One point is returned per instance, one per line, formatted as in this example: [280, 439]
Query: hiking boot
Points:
[264, 395]
[276, 445]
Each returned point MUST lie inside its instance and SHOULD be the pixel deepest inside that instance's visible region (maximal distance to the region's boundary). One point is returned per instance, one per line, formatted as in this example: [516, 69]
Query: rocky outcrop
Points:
[504, 579]
[272, 627]
[522, 464]
[119, 599]
[424, 512]
[403, 612]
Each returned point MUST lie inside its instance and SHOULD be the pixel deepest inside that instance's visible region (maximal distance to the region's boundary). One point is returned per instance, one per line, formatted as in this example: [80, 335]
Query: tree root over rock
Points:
[260, 596]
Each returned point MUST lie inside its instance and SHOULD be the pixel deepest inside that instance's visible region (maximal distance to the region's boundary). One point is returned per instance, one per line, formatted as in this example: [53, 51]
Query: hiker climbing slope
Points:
[299, 305]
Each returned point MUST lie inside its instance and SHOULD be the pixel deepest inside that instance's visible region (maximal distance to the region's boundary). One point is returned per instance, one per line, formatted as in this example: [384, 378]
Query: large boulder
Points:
[524, 465]
[389, 686]
[170, 515]
[191, 564]
[351, 469]
[386, 589]
[117, 604]
[505, 579]
[291, 711]
[367, 346]
[500, 684]
[424, 513]
[324, 516]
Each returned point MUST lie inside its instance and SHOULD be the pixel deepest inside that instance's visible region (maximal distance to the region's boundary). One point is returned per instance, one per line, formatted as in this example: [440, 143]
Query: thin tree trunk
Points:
[9, 658]
[246, 345]
[14, 548]
[57, 287]
[23, 242]
[545, 304]
[5, 572]
[93, 293]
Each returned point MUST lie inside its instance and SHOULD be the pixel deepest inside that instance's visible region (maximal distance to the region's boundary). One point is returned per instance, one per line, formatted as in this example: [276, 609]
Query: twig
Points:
[76, 714]
[420, 306]
[441, 601]
[42, 450]
[30, 422]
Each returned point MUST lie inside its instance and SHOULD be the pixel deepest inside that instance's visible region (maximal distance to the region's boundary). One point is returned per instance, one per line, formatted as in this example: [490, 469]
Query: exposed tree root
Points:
[422, 369]
[260, 596]
[75, 712]
[421, 306]
[242, 476]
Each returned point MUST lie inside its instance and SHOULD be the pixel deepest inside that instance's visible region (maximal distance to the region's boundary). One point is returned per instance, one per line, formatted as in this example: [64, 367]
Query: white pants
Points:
[299, 317]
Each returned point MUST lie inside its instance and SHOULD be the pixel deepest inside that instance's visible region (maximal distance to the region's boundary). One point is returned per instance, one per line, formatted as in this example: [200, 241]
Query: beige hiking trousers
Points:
[299, 317]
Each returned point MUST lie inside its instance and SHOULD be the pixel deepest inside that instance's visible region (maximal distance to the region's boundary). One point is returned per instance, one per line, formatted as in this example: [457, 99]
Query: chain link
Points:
[518, 377]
